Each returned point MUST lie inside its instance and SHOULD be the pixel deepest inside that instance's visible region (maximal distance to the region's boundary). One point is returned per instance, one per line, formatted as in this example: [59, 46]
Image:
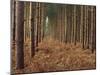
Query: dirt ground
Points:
[52, 55]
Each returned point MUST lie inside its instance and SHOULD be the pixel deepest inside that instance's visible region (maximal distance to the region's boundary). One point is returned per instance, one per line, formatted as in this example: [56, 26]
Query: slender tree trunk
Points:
[39, 25]
[85, 27]
[78, 23]
[37, 15]
[42, 20]
[13, 18]
[93, 29]
[81, 27]
[32, 5]
[88, 28]
[75, 33]
[70, 23]
[65, 23]
[60, 24]
[73, 24]
[13, 23]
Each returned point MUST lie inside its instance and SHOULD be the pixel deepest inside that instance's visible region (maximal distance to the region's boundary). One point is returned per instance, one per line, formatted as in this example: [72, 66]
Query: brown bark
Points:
[20, 34]
[93, 29]
[32, 29]
[75, 33]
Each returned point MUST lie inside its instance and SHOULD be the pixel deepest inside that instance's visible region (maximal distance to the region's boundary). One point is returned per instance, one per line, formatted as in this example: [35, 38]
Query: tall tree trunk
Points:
[37, 15]
[94, 28]
[20, 34]
[72, 24]
[81, 26]
[42, 20]
[32, 15]
[65, 23]
[87, 22]
[78, 23]
[85, 27]
[68, 25]
[75, 33]
[39, 25]
[89, 27]
[13, 17]
[13, 28]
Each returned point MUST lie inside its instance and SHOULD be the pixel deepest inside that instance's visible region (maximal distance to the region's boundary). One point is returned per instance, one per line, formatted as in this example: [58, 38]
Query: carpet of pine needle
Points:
[52, 55]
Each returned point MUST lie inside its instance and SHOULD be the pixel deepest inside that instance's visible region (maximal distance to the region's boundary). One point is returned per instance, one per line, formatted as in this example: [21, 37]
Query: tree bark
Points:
[32, 6]
[75, 33]
[20, 34]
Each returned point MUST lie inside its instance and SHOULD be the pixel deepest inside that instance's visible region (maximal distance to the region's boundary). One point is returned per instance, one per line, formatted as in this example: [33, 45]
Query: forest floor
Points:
[53, 55]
